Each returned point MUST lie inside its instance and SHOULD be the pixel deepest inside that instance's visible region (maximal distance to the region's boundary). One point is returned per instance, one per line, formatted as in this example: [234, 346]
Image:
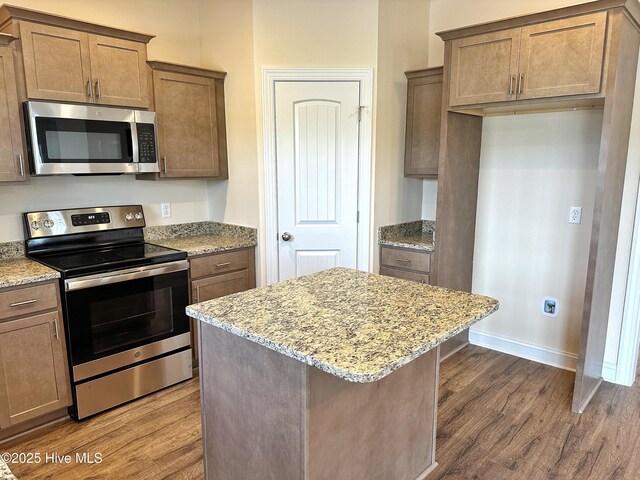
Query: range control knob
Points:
[138, 215]
[128, 217]
[35, 225]
[48, 223]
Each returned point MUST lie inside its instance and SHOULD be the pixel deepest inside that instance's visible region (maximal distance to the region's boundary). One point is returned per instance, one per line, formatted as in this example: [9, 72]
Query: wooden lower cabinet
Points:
[34, 378]
[217, 275]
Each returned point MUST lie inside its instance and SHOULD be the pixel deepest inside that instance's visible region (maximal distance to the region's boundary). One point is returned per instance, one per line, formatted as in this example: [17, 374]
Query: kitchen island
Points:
[329, 376]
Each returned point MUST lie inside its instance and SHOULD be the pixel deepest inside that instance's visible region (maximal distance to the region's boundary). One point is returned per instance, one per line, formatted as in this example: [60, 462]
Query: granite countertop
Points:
[418, 235]
[202, 238]
[16, 269]
[5, 472]
[355, 325]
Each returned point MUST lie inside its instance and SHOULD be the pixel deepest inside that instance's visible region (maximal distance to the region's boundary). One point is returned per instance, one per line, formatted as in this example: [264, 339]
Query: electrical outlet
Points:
[575, 214]
[550, 307]
[166, 210]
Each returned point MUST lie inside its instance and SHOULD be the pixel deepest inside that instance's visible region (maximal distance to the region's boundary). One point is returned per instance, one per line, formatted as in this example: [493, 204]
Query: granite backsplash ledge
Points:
[198, 229]
[9, 250]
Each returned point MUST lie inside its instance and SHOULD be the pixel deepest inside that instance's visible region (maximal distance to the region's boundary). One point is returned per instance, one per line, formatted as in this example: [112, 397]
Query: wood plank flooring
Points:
[499, 417]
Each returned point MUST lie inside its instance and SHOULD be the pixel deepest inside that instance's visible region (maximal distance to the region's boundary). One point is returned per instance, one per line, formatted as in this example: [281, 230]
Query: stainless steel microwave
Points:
[87, 139]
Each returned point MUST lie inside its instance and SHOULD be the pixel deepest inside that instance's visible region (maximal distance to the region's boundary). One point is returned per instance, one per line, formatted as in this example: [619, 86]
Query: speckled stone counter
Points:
[419, 235]
[15, 269]
[5, 472]
[369, 408]
[357, 326]
[201, 238]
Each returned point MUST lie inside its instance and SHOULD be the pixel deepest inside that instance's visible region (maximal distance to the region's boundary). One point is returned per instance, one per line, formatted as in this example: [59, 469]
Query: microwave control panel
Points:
[146, 142]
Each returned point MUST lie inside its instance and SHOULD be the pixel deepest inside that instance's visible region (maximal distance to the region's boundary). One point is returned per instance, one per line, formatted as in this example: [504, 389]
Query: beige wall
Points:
[402, 46]
[533, 168]
[177, 40]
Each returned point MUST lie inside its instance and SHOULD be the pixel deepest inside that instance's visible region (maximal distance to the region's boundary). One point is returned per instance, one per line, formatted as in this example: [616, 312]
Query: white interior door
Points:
[317, 130]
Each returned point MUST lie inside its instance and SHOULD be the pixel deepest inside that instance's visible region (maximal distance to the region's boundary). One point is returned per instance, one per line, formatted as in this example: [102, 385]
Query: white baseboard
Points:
[610, 372]
[548, 356]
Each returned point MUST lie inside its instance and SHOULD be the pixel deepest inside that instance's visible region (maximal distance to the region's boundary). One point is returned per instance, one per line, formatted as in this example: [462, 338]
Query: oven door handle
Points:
[124, 275]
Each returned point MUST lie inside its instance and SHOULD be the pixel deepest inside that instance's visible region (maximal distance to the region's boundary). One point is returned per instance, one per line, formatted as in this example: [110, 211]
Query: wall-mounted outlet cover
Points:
[575, 214]
[166, 210]
[550, 307]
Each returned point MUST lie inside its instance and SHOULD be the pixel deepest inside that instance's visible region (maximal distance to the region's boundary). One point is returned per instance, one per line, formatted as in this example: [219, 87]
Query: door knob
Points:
[286, 236]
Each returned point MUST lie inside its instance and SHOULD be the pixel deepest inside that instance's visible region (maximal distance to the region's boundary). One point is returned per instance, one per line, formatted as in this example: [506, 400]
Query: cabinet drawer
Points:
[25, 300]
[413, 276]
[219, 263]
[394, 257]
[219, 286]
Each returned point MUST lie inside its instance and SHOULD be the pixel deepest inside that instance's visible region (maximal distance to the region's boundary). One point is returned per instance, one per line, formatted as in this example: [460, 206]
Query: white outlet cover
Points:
[165, 210]
[575, 215]
[550, 307]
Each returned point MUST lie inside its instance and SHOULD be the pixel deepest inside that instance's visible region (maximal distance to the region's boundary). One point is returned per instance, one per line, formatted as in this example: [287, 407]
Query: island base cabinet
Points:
[299, 422]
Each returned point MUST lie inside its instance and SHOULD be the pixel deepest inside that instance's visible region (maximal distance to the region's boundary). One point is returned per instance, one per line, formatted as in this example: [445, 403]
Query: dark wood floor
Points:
[500, 417]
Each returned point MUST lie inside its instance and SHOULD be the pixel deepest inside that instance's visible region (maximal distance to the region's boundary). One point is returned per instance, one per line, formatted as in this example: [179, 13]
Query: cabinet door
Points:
[32, 368]
[484, 68]
[220, 285]
[424, 109]
[562, 57]
[12, 161]
[119, 71]
[406, 275]
[191, 131]
[56, 63]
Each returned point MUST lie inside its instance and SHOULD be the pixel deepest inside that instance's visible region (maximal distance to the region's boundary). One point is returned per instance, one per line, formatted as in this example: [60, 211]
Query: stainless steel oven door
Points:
[125, 317]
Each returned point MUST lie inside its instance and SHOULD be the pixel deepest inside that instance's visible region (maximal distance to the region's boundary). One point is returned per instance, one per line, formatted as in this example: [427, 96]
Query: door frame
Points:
[269, 78]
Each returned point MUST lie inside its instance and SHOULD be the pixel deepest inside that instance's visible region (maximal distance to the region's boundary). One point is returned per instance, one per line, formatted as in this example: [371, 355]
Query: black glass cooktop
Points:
[99, 260]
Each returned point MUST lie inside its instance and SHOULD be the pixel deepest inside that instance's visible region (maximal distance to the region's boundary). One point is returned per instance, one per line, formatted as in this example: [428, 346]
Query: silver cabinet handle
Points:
[98, 94]
[403, 260]
[520, 84]
[89, 88]
[21, 160]
[164, 164]
[55, 326]
[220, 265]
[511, 80]
[197, 294]
[26, 302]
[286, 236]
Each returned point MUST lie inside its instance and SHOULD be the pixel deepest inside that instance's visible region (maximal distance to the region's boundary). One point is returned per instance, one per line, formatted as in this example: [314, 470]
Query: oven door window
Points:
[116, 317]
[66, 140]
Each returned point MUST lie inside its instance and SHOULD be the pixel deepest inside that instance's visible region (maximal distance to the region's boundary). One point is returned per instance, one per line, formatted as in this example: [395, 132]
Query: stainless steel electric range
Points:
[123, 300]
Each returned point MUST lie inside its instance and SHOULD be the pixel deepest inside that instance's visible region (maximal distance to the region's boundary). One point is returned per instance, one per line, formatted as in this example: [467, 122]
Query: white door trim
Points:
[626, 365]
[269, 77]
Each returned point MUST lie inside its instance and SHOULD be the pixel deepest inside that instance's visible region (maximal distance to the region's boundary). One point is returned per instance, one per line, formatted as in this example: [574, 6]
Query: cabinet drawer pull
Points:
[220, 265]
[403, 260]
[89, 88]
[26, 302]
[55, 327]
[511, 79]
[164, 164]
[98, 94]
[21, 160]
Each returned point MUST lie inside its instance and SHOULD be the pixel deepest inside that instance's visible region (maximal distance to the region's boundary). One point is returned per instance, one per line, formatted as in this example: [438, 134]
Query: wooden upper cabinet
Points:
[549, 59]
[56, 63]
[119, 70]
[424, 111]
[71, 60]
[189, 104]
[484, 68]
[12, 160]
[562, 57]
